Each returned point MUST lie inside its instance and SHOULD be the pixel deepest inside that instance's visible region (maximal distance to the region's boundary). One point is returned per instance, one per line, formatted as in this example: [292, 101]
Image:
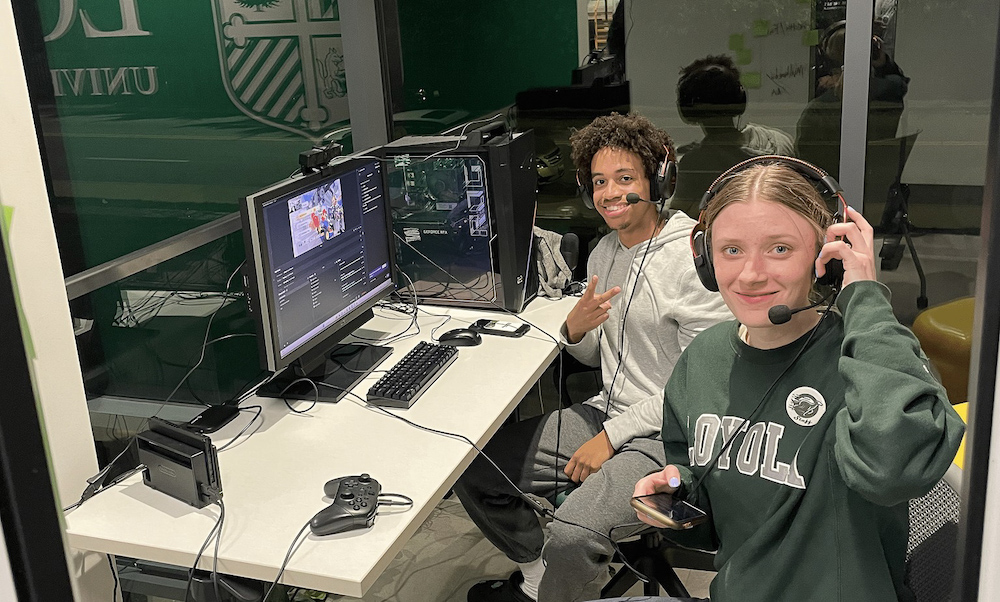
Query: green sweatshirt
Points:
[810, 500]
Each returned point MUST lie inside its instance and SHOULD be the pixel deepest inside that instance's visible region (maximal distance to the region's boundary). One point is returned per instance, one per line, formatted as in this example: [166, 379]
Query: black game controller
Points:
[355, 500]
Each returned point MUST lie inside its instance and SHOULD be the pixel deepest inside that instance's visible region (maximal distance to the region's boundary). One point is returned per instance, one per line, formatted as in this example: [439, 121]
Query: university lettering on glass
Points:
[101, 81]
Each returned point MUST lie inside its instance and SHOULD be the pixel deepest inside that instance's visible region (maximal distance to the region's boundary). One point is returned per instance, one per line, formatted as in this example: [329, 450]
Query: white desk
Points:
[273, 480]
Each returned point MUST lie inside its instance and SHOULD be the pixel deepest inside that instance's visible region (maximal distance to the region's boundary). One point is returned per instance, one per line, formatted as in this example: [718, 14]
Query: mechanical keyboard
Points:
[410, 377]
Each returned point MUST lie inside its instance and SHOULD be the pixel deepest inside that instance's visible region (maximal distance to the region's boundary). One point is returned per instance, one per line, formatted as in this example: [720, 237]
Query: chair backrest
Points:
[930, 550]
[884, 163]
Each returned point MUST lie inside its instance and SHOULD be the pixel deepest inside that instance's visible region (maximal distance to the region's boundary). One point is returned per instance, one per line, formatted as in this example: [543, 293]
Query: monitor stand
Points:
[345, 366]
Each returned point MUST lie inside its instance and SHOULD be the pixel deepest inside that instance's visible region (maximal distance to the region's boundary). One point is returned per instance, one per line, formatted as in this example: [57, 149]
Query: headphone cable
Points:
[713, 462]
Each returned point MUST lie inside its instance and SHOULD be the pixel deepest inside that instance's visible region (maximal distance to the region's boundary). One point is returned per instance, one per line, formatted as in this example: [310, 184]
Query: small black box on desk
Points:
[180, 463]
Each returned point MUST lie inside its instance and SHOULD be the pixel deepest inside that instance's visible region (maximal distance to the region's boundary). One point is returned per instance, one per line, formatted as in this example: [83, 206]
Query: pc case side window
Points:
[440, 209]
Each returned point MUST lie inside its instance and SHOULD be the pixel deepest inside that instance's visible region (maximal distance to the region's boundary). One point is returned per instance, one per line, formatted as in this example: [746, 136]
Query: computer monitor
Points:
[463, 211]
[319, 256]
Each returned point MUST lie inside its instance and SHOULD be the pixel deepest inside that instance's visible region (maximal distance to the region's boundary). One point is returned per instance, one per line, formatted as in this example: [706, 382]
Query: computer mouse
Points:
[460, 337]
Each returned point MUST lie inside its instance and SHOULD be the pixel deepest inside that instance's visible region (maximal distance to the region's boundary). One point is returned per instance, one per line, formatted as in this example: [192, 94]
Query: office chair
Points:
[656, 557]
[571, 367]
[930, 551]
[887, 158]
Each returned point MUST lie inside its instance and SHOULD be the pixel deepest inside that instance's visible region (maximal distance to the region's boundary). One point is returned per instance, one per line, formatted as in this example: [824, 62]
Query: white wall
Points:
[989, 577]
[35, 261]
[947, 49]
[582, 31]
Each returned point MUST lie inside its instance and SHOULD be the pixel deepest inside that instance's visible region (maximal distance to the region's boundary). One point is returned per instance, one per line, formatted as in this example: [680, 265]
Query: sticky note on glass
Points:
[810, 38]
[736, 41]
[744, 56]
[6, 216]
[761, 27]
[750, 79]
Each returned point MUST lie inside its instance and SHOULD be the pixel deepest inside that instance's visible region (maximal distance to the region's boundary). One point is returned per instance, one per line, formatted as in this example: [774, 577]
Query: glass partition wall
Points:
[155, 121]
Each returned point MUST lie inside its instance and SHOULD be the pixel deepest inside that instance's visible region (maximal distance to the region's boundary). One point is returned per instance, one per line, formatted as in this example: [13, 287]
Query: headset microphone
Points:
[632, 198]
[779, 314]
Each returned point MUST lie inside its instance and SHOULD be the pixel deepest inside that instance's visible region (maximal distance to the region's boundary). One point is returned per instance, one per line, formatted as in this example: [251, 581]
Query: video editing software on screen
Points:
[327, 252]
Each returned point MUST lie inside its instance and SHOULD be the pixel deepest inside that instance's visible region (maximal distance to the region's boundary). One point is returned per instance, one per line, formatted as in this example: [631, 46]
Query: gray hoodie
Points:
[668, 307]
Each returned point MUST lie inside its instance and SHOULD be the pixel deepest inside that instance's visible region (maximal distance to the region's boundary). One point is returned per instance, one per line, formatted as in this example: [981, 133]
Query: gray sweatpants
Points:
[526, 452]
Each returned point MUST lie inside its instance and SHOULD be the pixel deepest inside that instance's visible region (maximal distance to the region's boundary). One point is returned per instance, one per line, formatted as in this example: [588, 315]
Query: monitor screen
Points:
[320, 255]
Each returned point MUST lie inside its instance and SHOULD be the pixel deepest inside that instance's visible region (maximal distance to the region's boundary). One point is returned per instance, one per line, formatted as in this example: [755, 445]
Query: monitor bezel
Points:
[258, 283]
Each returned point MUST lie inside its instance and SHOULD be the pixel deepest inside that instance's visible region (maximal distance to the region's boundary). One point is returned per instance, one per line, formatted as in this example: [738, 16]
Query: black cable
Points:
[413, 319]
[114, 482]
[624, 317]
[114, 574]
[295, 382]
[217, 529]
[208, 329]
[559, 412]
[96, 483]
[250, 387]
[215, 554]
[407, 501]
[288, 556]
[249, 424]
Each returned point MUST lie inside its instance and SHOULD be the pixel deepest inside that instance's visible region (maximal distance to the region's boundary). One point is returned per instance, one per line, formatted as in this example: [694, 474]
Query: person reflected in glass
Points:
[818, 130]
[710, 95]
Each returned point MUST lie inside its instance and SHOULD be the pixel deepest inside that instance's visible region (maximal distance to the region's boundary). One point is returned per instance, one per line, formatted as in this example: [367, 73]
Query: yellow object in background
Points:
[963, 411]
[945, 335]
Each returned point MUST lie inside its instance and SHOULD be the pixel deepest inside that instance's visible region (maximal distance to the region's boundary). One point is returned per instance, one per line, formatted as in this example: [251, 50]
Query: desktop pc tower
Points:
[462, 212]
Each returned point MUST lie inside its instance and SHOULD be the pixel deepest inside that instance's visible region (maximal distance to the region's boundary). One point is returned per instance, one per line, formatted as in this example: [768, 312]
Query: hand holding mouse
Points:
[589, 312]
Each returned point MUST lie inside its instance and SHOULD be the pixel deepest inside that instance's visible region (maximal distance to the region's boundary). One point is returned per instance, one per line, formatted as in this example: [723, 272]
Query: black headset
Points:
[701, 246]
[712, 90]
[662, 184]
[826, 38]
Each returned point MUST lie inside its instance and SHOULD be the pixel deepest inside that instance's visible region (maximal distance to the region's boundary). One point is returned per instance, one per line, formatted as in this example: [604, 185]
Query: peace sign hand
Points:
[589, 312]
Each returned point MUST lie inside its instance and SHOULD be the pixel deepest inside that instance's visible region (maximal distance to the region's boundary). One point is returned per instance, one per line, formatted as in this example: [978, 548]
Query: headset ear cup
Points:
[703, 261]
[834, 275]
[588, 200]
[665, 184]
[741, 97]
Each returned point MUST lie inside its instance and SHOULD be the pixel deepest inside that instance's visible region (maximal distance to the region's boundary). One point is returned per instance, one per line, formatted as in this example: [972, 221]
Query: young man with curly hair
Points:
[642, 306]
